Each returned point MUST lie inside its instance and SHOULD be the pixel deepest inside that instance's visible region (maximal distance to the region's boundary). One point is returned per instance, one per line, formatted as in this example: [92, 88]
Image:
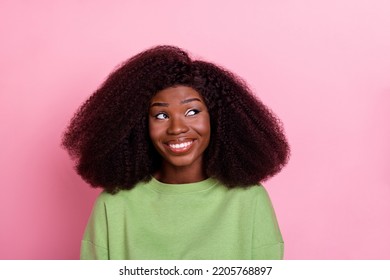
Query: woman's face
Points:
[179, 126]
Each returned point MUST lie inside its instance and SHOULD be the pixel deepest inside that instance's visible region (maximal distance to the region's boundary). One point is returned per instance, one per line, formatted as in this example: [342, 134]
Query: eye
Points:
[161, 116]
[192, 112]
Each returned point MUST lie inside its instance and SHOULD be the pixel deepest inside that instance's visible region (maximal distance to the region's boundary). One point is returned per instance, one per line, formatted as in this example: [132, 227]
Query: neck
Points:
[180, 175]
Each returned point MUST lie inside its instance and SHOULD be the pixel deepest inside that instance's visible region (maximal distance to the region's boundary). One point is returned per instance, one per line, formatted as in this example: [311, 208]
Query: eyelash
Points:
[187, 114]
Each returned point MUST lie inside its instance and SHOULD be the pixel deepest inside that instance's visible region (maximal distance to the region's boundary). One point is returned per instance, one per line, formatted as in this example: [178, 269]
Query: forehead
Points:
[176, 95]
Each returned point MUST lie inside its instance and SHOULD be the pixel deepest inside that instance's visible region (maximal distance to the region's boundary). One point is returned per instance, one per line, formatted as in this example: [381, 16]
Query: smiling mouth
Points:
[180, 147]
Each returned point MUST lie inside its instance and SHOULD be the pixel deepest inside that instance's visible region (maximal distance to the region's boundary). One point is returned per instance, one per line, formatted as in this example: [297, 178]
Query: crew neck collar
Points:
[161, 187]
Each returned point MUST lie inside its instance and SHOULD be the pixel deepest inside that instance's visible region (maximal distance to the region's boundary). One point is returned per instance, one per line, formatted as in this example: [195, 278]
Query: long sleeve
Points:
[267, 239]
[94, 245]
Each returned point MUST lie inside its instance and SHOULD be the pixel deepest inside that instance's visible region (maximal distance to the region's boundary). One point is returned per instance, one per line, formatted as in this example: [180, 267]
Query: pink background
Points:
[322, 66]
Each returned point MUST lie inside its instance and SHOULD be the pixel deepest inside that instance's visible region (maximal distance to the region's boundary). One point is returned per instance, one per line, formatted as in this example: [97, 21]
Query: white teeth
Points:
[180, 146]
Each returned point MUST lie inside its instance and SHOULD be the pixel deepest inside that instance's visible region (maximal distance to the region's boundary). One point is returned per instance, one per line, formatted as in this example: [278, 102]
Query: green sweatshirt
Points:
[196, 221]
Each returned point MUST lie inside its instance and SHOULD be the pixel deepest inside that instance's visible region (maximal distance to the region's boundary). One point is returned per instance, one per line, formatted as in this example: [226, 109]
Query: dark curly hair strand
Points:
[108, 135]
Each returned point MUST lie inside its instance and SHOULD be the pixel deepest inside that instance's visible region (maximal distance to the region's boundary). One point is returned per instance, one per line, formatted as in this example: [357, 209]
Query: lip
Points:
[180, 146]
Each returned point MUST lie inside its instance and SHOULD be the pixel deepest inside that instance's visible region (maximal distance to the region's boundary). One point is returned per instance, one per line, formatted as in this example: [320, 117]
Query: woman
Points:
[179, 147]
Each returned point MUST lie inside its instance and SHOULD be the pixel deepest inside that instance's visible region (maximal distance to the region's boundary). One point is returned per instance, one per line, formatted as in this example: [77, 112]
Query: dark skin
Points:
[179, 128]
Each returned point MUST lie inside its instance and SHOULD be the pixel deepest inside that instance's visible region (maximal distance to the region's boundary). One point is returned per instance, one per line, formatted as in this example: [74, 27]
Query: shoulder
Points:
[256, 195]
[252, 195]
[256, 191]
[121, 197]
[104, 197]
[262, 197]
[260, 192]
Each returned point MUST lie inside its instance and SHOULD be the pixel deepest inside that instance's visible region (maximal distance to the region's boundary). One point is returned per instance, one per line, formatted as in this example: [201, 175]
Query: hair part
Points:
[108, 136]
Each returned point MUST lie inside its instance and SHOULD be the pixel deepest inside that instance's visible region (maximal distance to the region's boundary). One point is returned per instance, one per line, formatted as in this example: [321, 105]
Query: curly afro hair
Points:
[108, 135]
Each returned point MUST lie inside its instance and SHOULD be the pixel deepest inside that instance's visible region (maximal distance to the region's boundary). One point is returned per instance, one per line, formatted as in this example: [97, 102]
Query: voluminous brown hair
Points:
[108, 136]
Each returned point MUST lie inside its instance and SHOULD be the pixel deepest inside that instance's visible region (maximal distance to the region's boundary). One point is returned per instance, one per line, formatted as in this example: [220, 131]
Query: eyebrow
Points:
[162, 104]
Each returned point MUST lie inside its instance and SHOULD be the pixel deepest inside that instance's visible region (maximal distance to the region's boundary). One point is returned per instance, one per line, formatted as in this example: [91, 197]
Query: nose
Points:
[177, 126]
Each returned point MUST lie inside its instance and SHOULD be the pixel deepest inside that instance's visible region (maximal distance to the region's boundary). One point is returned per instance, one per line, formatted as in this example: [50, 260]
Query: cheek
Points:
[154, 131]
[204, 128]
